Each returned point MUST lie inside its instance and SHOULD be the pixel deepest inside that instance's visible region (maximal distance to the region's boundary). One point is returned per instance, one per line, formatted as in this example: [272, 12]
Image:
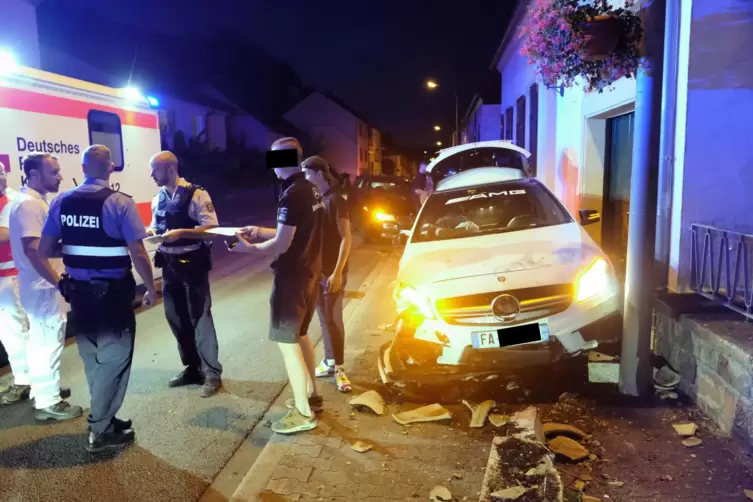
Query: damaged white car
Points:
[496, 277]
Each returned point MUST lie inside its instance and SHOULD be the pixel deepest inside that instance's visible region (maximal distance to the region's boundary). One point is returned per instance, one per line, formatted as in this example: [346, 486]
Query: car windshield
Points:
[388, 186]
[490, 209]
[473, 158]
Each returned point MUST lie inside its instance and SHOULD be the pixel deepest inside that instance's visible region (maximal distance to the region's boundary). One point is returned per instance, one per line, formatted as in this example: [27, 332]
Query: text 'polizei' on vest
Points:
[80, 221]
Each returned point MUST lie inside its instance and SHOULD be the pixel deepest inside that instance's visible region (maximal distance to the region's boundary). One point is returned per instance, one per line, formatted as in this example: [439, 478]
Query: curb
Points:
[255, 481]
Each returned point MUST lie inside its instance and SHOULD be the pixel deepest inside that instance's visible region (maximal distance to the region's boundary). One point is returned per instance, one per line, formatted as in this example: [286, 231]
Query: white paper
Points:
[154, 239]
[225, 231]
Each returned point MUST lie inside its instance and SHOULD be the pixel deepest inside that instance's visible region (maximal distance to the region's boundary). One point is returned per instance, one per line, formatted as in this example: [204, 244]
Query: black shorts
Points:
[292, 307]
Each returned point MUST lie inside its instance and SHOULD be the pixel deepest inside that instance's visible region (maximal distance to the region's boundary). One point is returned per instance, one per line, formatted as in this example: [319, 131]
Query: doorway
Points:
[617, 169]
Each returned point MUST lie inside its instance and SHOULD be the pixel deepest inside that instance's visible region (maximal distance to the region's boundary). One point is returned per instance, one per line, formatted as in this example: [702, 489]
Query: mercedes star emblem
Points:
[505, 308]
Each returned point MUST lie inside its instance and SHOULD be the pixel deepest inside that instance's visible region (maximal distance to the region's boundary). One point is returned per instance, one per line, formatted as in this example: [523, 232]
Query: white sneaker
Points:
[325, 370]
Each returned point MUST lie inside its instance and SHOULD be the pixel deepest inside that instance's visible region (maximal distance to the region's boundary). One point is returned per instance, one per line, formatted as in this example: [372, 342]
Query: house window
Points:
[508, 123]
[520, 122]
[105, 129]
[533, 126]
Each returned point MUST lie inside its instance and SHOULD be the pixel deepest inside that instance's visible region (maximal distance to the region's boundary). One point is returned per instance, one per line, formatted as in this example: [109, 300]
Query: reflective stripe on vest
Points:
[7, 267]
[95, 251]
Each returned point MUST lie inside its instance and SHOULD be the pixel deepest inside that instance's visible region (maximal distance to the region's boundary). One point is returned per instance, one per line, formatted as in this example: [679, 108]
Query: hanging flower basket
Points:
[603, 35]
[590, 39]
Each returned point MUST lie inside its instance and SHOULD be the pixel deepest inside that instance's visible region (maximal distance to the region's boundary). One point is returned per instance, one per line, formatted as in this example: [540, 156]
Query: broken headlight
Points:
[407, 297]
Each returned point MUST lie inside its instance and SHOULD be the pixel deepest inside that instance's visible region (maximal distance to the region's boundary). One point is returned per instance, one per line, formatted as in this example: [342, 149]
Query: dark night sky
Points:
[374, 58]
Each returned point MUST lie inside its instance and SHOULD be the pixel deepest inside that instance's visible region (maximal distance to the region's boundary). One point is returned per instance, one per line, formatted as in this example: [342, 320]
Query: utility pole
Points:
[457, 123]
[635, 363]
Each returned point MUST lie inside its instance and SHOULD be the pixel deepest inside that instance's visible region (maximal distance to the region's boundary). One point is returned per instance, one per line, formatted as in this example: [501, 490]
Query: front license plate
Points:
[516, 335]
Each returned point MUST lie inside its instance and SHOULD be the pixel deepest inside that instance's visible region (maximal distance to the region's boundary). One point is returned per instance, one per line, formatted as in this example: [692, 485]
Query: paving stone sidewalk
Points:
[637, 456]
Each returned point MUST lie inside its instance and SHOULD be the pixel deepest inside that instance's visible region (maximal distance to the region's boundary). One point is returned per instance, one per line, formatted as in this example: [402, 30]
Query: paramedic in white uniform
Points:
[38, 280]
[14, 331]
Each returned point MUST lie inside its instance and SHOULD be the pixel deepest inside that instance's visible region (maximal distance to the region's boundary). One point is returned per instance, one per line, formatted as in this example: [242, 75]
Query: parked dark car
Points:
[381, 206]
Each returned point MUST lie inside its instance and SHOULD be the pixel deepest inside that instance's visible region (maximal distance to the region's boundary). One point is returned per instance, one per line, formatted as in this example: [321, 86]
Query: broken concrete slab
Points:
[517, 461]
[361, 446]
[371, 400]
[557, 429]
[440, 494]
[430, 413]
[568, 448]
[529, 424]
[512, 493]
[691, 442]
[479, 413]
[685, 428]
[499, 420]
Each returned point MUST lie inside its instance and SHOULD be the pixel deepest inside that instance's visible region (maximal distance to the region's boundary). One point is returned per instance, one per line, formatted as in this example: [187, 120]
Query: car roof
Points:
[497, 143]
[480, 176]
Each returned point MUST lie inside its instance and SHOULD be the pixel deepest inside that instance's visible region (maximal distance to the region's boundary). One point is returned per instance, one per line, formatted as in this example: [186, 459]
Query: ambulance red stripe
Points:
[18, 99]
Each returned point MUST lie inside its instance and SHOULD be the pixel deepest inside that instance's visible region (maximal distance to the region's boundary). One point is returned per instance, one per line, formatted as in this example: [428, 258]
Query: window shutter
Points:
[508, 123]
[533, 121]
[502, 126]
[520, 122]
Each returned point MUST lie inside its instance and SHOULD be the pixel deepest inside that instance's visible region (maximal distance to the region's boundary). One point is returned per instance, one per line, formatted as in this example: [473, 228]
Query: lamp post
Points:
[432, 85]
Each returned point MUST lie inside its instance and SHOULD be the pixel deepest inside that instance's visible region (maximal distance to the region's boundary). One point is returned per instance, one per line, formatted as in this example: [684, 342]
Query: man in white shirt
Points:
[14, 332]
[38, 280]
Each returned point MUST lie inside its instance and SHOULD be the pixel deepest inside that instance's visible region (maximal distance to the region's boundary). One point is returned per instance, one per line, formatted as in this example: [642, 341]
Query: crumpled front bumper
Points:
[410, 359]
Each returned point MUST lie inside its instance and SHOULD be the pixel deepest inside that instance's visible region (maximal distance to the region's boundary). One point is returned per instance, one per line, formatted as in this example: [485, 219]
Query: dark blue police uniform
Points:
[95, 225]
[186, 264]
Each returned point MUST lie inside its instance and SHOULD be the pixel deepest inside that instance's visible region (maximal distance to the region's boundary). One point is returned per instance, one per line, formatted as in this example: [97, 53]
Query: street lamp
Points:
[431, 85]
[439, 143]
[437, 128]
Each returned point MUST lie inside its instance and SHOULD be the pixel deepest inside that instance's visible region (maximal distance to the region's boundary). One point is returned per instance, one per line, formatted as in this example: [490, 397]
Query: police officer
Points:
[180, 214]
[100, 234]
[297, 243]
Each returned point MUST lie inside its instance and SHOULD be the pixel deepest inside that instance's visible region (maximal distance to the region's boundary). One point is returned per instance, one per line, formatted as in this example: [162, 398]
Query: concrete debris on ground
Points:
[371, 400]
[598, 357]
[617, 484]
[568, 448]
[528, 422]
[498, 420]
[588, 498]
[440, 494]
[517, 462]
[685, 429]
[431, 413]
[556, 429]
[480, 412]
[691, 442]
[749, 494]
[361, 446]
[512, 493]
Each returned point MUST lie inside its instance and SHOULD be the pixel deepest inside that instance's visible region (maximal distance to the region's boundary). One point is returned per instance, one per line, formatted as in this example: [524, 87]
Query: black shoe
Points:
[211, 386]
[121, 425]
[99, 442]
[188, 376]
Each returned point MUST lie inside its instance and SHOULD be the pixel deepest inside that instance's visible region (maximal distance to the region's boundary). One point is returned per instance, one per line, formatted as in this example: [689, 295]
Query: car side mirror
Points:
[589, 216]
[401, 239]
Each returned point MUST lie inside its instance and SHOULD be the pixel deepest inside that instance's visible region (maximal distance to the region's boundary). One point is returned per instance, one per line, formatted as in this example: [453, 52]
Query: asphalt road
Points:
[183, 441]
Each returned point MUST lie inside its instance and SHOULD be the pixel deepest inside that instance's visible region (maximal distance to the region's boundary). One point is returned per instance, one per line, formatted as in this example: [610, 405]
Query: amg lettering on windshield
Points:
[486, 195]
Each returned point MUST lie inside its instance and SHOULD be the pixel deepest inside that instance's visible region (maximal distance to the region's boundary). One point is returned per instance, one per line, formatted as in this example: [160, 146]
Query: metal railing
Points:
[721, 269]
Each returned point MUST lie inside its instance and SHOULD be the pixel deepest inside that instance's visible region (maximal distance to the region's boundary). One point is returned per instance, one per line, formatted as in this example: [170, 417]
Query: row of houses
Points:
[350, 142]
[582, 149]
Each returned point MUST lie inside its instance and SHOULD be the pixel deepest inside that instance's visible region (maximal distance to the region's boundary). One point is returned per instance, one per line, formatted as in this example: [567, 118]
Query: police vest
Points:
[172, 214]
[85, 243]
[7, 267]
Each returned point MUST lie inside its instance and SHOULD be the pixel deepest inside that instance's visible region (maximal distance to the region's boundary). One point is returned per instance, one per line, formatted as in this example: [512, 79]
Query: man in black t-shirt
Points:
[335, 251]
[297, 245]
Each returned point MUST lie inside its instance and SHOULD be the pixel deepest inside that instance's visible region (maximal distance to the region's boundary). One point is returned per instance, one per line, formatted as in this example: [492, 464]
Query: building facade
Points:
[344, 137]
[481, 122]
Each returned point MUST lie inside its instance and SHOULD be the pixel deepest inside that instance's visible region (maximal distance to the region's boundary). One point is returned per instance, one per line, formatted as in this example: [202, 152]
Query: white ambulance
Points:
[48, 113]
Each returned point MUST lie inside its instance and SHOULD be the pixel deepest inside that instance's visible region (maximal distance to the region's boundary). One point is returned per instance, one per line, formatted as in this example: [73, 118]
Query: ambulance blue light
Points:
[153, 102]
[8, 63]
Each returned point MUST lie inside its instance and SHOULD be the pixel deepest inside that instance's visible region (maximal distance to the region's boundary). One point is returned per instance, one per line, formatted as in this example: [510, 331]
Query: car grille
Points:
[535, 303]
